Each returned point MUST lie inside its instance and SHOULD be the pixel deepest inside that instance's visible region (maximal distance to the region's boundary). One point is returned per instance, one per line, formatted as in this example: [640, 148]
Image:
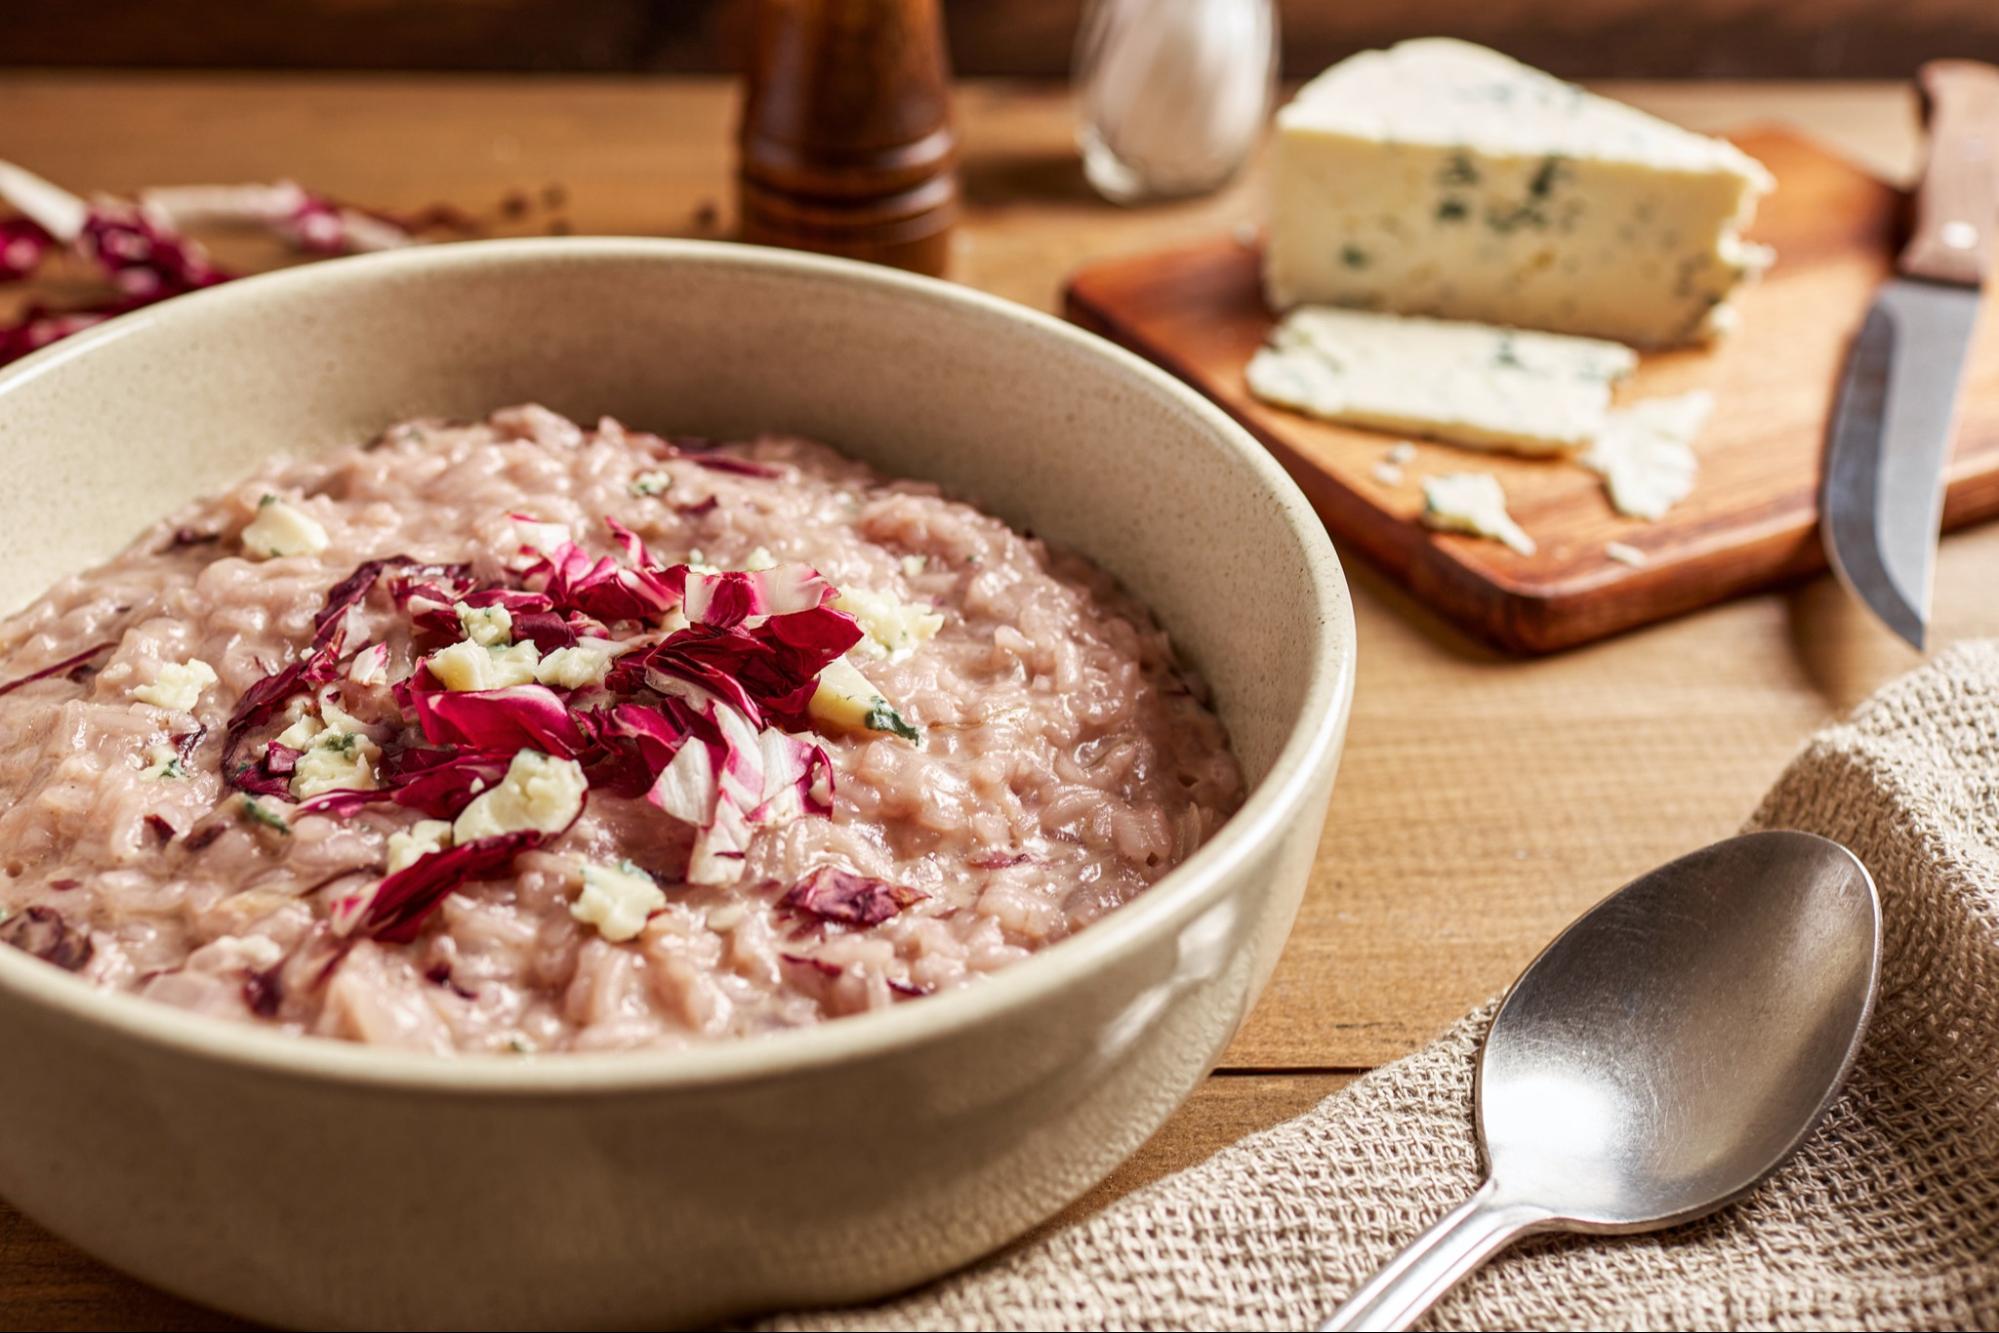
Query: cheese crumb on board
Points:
[1624, 554]
[1441, 178]
[1401, 453]
[1645, 453]
[1387, 473]
[1472, 503]
[1492, 388]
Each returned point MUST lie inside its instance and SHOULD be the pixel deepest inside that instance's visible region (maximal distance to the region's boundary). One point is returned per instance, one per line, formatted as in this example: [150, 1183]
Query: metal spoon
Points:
[1668, 1050]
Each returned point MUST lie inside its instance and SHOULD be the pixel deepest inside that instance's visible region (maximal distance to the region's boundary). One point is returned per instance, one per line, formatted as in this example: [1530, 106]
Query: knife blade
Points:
[1882, 497]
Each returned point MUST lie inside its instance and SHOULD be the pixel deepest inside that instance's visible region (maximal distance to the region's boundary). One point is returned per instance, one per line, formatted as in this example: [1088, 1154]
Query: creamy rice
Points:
[1060, 763]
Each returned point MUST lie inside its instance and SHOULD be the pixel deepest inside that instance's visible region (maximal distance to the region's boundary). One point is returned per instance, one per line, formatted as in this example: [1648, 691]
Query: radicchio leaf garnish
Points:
[396, 909]
[271, 774]
[835, 895]
[48, 935]
[74, 660]
[519, 717]
[320, 664]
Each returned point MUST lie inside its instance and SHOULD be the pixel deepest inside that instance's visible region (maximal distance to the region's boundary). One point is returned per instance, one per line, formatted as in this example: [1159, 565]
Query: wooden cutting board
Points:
[1752, 519]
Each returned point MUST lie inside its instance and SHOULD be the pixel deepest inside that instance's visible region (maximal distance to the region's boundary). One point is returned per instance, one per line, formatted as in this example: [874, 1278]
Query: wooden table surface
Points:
[1483, 801]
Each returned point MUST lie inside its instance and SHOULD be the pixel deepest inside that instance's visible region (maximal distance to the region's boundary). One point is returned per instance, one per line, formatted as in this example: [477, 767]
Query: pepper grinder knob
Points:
[846, 140]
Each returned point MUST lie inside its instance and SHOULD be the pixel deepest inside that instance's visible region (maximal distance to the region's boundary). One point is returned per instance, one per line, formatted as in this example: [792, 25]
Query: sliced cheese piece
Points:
[1472, 502]
[1441, 178]
[1645, 453]
[1470, 384]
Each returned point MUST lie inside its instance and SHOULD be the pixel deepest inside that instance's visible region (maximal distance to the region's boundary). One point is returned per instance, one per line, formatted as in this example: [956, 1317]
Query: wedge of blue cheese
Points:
[1473, 384]
[1441, 178]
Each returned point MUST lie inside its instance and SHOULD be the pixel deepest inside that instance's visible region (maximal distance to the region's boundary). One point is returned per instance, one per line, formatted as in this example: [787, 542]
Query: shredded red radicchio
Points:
[396, 908]
[57, 669]
[319, 665]
[697, 722]
[832, 894]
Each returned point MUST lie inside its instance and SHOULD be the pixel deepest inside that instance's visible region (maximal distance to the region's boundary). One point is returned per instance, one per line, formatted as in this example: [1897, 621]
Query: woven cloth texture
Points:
[1887, 1218]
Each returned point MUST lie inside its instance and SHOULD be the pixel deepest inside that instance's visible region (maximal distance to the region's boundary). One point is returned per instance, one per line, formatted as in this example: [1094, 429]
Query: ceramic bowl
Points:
[316, 1183]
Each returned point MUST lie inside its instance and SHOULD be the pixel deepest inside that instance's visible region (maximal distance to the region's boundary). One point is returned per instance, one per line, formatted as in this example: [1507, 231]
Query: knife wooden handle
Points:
[1957, 201]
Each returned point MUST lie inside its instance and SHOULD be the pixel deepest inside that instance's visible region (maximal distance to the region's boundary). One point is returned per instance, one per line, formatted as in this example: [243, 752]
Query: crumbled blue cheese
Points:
[585, 663]
[616, 899]
[1470, 384]
[176, 685]
[538, 793]
[1386, 473]
[337, 761]
[914, 565]
[163, 763]
[335, 752]
[1645, 453]
[1472, 502]
[848, 700]
[487, 626]
[894, 628]
[1441, 178]
[655, 482]
[1401, 453]
[466, 665]
[407, 846]
[281, 528]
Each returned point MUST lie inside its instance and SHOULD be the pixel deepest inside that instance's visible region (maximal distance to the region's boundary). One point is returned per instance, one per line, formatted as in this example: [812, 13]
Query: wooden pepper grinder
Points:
[847, 145]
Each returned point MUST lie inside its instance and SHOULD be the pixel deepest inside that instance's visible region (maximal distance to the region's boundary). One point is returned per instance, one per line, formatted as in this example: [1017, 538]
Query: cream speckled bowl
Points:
[315, 1183]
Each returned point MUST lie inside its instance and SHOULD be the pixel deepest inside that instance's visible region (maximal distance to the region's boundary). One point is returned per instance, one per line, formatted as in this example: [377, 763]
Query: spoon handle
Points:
[1436, 1261]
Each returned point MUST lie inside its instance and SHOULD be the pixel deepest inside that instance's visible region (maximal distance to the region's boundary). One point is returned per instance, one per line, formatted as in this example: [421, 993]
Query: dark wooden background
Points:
[1657, 38]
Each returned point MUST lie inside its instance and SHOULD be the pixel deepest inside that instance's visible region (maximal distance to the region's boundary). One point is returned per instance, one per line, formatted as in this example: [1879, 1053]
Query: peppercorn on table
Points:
[1483, 801]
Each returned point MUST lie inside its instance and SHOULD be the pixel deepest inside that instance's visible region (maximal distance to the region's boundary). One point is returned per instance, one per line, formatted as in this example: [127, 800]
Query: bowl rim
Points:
[1278, 799]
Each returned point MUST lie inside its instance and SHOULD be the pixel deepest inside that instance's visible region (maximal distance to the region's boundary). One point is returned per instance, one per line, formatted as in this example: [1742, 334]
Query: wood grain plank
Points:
[1751, 520]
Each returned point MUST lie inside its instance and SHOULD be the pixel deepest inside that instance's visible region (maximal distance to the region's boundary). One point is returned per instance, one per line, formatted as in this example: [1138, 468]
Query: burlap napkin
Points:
[1888, 1218]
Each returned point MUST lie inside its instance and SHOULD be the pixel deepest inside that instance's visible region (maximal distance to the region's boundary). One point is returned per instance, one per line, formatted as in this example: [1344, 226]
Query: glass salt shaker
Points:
[1174, 93]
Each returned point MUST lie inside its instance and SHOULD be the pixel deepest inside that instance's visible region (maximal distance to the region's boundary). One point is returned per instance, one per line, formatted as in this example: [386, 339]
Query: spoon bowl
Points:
[1666, 1052]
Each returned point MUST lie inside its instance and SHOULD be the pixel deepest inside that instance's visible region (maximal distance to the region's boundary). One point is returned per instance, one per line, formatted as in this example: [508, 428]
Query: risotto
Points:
[521, 736]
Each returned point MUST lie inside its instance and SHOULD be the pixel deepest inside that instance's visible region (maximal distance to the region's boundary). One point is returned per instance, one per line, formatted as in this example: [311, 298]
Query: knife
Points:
[1883, 492]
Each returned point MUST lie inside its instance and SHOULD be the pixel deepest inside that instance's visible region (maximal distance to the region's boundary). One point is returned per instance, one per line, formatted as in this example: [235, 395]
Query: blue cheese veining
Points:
[1467, 383]
[1440, 178]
